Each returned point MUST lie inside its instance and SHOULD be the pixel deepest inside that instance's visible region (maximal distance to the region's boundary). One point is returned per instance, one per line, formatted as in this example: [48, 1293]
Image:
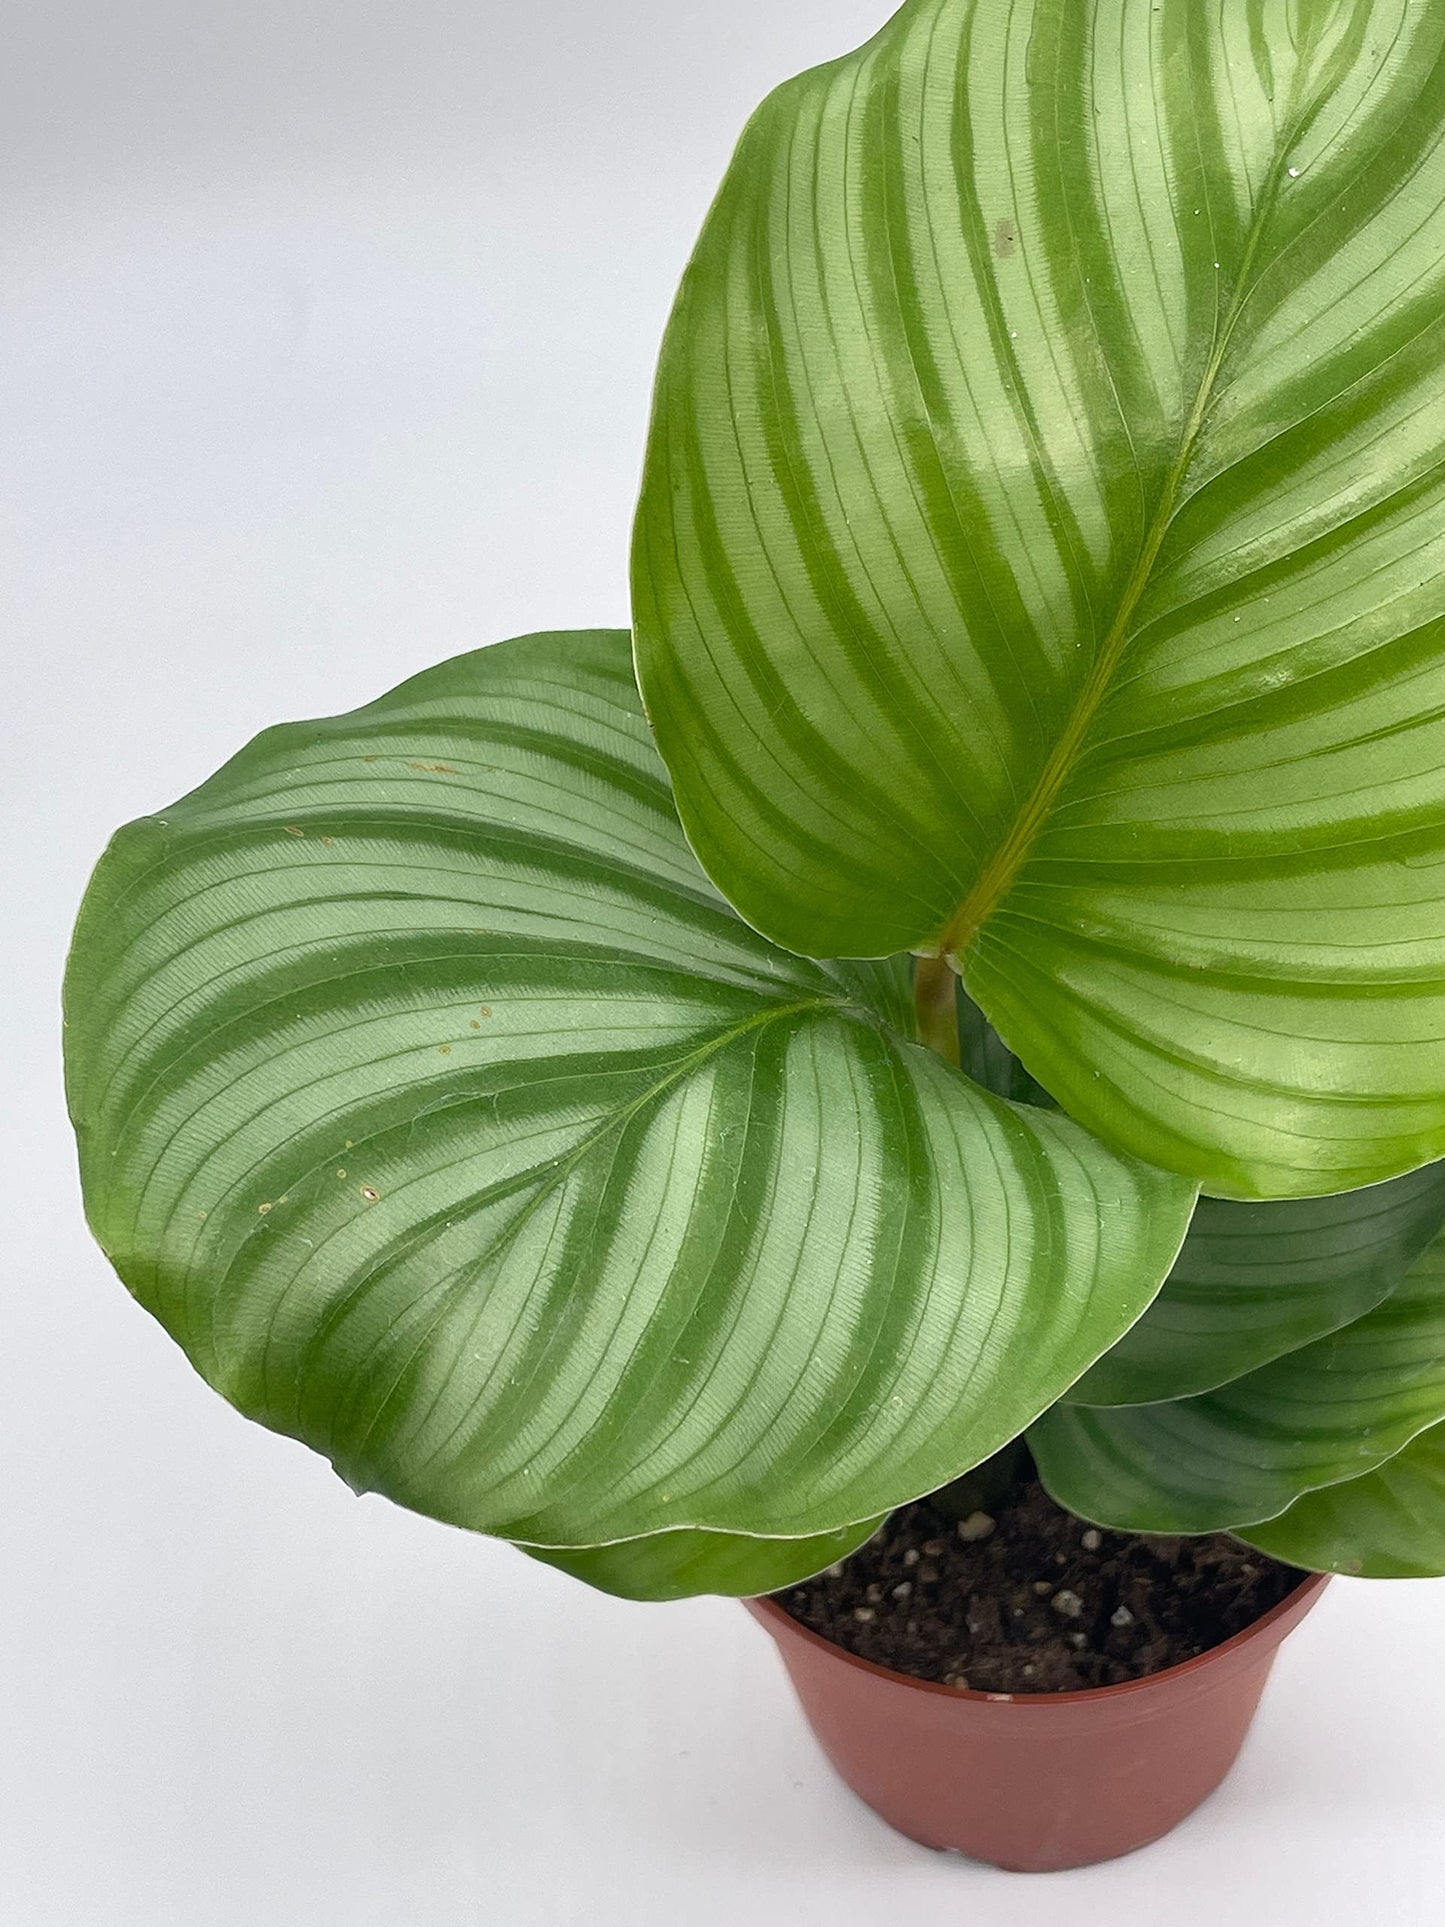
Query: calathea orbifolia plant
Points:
[1039, 581]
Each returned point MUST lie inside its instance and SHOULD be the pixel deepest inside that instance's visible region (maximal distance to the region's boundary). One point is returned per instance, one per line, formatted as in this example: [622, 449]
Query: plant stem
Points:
[935, 995]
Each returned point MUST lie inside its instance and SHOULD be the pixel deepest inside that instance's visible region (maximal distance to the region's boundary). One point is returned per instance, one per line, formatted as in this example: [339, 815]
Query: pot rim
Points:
[1294, 1605]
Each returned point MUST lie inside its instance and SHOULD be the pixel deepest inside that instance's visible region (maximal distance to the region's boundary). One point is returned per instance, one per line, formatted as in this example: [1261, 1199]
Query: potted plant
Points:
[976, 1017]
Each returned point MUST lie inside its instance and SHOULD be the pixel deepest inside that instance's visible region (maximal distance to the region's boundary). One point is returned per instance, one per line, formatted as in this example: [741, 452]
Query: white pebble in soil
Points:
[1121, 1617]
[1068, 1604]
[1092, 1540]
[977, 1526]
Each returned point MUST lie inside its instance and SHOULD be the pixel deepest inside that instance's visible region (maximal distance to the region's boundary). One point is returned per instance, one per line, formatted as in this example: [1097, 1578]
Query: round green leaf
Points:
[428, 1093]
[1390, 1524]
[1255, 1281]
[1332, 1411]
[1042, 550]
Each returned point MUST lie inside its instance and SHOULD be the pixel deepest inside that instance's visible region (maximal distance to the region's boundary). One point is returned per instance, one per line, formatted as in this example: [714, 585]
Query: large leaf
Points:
[1042, 553]
[1332, 1411]
[1390, 1524]
[432, 1098]
[1257, 1280]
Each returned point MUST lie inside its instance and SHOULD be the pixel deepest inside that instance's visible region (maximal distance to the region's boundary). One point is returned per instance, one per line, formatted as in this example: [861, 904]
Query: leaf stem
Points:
[935, 997]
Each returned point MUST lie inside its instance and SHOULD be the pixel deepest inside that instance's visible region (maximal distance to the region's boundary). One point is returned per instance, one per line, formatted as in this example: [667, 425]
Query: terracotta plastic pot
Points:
[1035, 1782]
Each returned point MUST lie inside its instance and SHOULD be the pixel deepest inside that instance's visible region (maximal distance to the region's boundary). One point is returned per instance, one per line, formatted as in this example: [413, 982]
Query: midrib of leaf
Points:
[615, 1122]
[548, 1179]
[1003, 866]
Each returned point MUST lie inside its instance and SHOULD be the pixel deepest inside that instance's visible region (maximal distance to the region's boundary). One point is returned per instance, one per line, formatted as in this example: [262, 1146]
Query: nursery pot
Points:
[1035, 1782]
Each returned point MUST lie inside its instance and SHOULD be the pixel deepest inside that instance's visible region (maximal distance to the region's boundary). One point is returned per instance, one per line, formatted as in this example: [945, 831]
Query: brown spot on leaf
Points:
[434, 769]
[292, 830]
[370, 1193]
[1005, 239]
[486, 1010]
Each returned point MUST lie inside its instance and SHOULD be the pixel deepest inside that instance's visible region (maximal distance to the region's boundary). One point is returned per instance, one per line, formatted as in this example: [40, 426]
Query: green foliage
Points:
[1326, 1413]
[1038, 570]
[678, 1564]
[432, 1098]
[1041, 547]
[1255, 1281]
[1389, 1524]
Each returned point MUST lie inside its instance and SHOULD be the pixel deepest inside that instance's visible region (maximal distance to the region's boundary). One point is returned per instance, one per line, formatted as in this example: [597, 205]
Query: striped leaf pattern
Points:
[1255, 1281]
[1041, 556]
[432, 1098]
[1333, 1411]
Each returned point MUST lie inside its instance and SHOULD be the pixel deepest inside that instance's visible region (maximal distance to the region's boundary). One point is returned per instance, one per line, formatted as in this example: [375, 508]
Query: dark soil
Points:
[1029, 1599]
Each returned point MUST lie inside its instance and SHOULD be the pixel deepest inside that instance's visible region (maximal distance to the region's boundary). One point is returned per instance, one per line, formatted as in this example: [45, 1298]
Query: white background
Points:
[325, 342]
